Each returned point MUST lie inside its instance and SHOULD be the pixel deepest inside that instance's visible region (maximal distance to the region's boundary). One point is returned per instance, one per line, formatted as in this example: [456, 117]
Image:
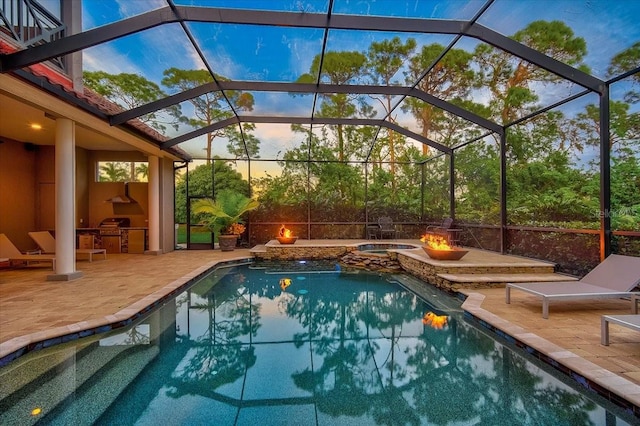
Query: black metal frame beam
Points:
[171, 14]
[605, 176]
[304, 120]
[304, 88]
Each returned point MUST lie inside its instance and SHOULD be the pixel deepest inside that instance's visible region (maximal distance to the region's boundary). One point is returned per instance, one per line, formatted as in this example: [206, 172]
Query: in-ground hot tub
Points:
[383, 247]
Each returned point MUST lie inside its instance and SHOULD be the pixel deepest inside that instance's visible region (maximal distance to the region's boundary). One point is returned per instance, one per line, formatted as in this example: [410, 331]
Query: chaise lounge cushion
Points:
[9, 251]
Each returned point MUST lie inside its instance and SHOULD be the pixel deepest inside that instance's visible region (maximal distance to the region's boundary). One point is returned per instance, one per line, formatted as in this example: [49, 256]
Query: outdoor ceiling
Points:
[263, 48]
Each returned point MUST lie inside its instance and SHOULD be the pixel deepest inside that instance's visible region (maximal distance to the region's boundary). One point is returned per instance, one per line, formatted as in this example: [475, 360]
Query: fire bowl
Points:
[453, 254]
[286, 240]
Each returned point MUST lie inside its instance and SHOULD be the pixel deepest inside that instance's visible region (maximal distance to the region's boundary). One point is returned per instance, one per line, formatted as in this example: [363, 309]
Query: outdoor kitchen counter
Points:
[131, 239]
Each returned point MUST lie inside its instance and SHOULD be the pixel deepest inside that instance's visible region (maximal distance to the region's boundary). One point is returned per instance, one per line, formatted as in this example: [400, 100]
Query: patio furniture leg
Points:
[508, 294]
[604, 331]
[545, 308]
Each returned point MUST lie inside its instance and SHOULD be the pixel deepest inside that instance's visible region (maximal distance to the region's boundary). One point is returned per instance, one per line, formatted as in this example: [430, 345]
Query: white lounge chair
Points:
[47, 244]
[9, 251]
[614, 278]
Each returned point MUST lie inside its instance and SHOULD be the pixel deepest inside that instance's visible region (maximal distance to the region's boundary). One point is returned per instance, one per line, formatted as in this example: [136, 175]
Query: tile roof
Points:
[57, 77]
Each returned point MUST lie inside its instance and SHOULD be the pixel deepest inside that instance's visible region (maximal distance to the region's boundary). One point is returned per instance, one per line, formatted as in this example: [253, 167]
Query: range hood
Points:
[122, 198]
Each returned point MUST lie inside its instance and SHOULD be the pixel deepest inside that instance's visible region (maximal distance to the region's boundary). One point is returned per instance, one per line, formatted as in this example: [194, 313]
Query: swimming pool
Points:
[294, 344]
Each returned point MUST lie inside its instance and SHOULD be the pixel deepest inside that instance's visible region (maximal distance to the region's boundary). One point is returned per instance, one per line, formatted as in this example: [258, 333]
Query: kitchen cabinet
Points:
[86, 241]
[136, 240]
[112, 243]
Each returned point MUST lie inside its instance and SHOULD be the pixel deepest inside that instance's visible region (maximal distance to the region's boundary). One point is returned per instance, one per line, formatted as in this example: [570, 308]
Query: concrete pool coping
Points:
[596, 378]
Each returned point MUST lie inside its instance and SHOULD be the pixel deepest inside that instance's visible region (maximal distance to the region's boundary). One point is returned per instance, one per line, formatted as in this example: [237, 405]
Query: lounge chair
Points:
[614, 278]
[387, 228]
[442, 229]
[629, 321]
[9, 251]
[47, 244]
[446, 230]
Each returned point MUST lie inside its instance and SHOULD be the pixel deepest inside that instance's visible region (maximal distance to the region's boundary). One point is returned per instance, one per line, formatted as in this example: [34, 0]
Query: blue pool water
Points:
[383, 247]
[300, 344]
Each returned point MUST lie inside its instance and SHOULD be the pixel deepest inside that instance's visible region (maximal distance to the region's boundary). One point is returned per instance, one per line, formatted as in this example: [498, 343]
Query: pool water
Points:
[381, 248]
[259, 346]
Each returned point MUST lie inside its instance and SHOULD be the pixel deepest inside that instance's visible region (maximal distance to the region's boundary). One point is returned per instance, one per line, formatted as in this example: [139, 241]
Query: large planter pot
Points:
[227, 242]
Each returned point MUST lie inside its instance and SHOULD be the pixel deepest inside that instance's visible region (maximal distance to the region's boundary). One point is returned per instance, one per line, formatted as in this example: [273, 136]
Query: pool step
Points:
[100, 384]
[496, 280]
[57, 378]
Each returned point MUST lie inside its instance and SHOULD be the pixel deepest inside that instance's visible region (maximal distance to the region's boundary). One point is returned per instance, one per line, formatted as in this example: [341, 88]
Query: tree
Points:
[624, 126]
[142, 170]
[451, 79]
[627, 60]
[213, 107]
[225, 211]
[201, 184]
[114, 172]
[384, 60]
[131, 90]
[509, 78]
[337, 68]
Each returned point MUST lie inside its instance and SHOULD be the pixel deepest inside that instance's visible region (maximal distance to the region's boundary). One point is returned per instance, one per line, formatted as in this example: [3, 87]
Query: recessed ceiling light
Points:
[36, 126]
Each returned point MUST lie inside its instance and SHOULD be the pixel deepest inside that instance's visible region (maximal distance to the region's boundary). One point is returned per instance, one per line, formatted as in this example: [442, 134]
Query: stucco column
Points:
[154, 205]
[65, 187]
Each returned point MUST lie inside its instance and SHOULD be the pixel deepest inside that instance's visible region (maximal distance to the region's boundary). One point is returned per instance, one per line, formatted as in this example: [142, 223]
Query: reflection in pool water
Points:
[329, 348]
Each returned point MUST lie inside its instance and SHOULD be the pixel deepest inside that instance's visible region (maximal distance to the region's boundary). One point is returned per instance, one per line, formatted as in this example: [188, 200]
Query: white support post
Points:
[65, 187]
[154, 205]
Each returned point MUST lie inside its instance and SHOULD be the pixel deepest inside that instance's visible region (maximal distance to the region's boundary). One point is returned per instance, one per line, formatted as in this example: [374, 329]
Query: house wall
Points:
[45, 203]
[99, 192]
[18, 192]
[27, 193]
[82, 188]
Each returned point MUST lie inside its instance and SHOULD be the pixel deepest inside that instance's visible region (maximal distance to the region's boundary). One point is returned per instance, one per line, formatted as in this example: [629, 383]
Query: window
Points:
[122, 171]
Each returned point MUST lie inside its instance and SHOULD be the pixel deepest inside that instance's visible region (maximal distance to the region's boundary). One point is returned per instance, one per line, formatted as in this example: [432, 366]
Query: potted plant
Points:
[222, 216]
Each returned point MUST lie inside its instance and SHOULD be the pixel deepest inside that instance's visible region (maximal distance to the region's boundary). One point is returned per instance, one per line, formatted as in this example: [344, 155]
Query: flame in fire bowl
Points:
[438, 248]
[285, 237]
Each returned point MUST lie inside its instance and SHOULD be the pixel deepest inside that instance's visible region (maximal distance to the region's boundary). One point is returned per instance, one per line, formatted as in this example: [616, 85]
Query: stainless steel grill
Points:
[113, 225]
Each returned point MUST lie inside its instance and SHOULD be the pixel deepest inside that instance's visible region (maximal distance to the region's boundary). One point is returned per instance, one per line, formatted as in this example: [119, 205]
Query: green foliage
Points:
[114, 171]
[215, 106]
[132, 90]
[227, 209]
[201, 184]
[624, 61]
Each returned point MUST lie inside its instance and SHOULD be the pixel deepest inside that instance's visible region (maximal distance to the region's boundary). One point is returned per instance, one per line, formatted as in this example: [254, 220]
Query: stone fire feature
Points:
[479, 269]
[303, 249]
